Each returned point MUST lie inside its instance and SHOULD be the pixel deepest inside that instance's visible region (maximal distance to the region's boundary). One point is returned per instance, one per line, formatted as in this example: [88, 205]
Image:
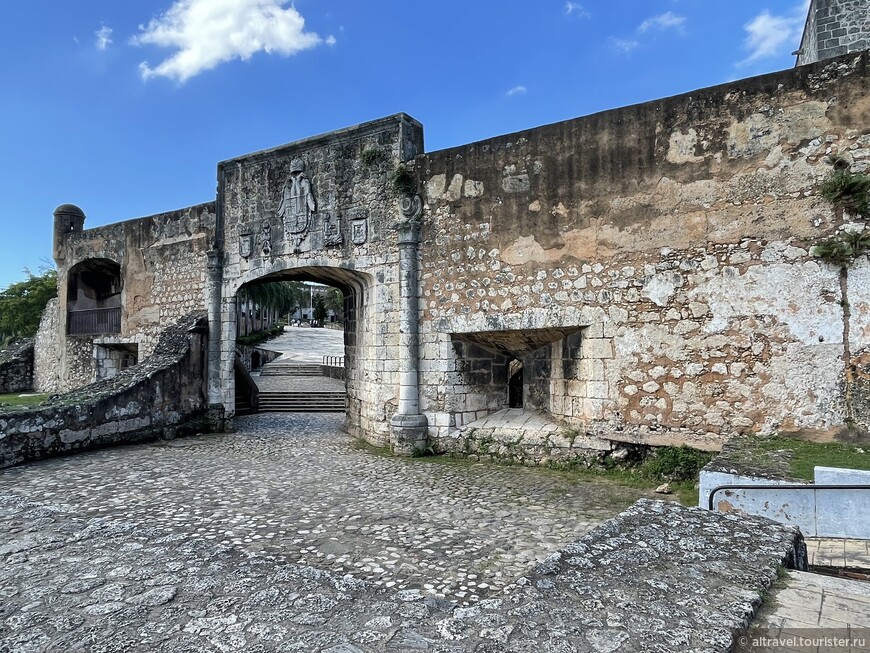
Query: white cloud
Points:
[625, 46]
[575, 8]
[668, 20]
[104, 39]
[206, 33]
[770, 36]
[330, 40]
[517, 90]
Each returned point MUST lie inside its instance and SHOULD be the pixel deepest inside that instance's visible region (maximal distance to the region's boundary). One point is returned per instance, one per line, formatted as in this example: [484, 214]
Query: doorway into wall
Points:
[307, 344]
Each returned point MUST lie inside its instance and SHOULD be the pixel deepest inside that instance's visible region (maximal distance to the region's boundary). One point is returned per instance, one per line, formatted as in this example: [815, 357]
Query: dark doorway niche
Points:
[515, 384]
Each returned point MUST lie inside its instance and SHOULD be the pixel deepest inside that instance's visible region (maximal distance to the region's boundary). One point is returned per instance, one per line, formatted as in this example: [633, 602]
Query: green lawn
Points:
[18, 399]
[802, 456]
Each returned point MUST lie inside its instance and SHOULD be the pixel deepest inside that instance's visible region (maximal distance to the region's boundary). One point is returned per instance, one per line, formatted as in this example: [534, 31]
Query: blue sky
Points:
[125, 108]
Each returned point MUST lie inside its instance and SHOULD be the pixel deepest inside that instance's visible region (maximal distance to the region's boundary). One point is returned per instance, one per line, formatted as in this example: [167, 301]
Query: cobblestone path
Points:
[127, 528]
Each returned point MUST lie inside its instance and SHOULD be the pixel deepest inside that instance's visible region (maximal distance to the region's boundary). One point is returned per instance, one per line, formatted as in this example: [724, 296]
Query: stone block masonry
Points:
[161, 263]
[834, 28]
[674, 237]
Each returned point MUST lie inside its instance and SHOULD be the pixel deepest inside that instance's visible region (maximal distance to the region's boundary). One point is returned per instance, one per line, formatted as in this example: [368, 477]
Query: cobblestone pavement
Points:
[125, 529]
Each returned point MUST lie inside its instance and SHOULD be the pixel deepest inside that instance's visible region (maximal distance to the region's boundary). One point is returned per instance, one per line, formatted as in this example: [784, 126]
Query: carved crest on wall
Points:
[246, 245]
[332, 229]
[296, 204]
[358, 225]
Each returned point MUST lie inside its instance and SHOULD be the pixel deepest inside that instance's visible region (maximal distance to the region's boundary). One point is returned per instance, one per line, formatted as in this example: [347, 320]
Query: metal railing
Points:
[772, 486]
[94, 321]
[333, 361]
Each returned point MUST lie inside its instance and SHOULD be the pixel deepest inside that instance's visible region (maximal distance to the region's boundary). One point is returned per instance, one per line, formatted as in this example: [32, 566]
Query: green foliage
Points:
[335, 303]
[804, 456]
[320, 310]
[371, 156]
[847, 191]
[403, 180]
[260, 336]
[675, 464]
[282, 296]
[22, 303]
[17, 399]
[842, 248]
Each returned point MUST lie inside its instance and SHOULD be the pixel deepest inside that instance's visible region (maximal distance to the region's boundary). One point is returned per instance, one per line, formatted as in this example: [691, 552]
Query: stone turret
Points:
[834, 28]
[67, 218]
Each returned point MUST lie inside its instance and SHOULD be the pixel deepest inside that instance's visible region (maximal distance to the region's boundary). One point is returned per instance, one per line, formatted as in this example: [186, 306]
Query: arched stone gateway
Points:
[330, 209]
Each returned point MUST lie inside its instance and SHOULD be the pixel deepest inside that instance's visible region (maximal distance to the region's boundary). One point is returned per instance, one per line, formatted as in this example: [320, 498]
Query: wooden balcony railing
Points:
[94, 321]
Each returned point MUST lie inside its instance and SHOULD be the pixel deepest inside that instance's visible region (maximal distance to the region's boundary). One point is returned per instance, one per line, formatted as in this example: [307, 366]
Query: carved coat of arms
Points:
[297, 201]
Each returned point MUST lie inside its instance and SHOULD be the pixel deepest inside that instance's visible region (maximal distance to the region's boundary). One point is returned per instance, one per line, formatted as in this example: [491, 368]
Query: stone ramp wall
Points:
[161, 397]
[16, 367]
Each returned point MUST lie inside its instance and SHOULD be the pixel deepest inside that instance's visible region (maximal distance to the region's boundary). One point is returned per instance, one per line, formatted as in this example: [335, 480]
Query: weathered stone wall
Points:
[163, 396]
[163, 268]
[48, 350]
[674, 237]
[16, 367]
[834, 28]
[346, 240]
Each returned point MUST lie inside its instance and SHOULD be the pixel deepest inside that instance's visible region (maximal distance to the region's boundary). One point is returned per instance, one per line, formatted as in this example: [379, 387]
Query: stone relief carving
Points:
[267, 240]
[297, 204]
[332, 229]
[412, 207]
[358, 225]
[246, 245]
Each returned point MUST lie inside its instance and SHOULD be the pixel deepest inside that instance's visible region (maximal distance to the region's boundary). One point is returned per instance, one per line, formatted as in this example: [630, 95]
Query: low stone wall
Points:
[334, 372]
[164, 396]
[248, 357]
[16, 367]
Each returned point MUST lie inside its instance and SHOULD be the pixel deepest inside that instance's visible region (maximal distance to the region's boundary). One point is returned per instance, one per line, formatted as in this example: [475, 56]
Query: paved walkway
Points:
[810, 612]
[851, 554]
[307, 345]
[294, 489]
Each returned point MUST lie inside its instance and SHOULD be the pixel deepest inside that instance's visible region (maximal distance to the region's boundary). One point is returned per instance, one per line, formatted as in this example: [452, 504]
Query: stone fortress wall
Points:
[834, 28]
[649, 266]
[640, 275]
[161, 261]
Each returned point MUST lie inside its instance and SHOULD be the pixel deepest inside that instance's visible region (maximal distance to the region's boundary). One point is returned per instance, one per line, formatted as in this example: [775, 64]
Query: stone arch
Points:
[359, 290]
[93, 297]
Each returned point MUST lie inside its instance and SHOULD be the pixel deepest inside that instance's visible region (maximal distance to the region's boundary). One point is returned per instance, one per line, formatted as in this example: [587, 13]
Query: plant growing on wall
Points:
[849, 194]
[403, 180]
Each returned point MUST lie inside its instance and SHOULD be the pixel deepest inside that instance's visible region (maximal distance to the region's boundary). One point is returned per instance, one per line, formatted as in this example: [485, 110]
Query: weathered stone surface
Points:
[161, 397]
[647, 268]
[658, 576]
[16, 367]
[833, 28]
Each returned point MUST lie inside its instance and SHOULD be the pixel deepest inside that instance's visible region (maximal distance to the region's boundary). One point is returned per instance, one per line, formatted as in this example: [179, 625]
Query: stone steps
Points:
[291, 370]
[302, 402]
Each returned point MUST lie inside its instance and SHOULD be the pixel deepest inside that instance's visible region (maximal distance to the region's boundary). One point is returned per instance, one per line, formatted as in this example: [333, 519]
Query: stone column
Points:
[408, 428]
[213, 298]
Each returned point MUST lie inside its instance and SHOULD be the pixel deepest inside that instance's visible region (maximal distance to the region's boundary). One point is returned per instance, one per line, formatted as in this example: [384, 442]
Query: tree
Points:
[335, 303]
[22, 304]
[319, 309]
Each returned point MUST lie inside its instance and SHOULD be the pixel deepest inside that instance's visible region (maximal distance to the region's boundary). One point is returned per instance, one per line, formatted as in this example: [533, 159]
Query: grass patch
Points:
[802, 456]
[16, 399]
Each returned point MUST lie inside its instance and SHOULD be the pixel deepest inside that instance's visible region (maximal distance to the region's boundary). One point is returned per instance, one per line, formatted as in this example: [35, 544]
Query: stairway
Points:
[302, 402]
[291, 369]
